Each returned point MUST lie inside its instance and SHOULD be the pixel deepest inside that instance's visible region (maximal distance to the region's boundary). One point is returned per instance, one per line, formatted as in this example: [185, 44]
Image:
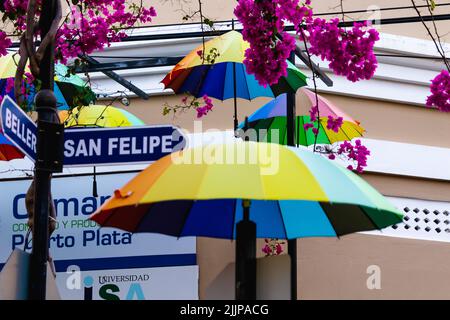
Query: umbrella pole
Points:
[245, 281]
[94, 184]
[235, 97]
[234, 89]
[290, 130]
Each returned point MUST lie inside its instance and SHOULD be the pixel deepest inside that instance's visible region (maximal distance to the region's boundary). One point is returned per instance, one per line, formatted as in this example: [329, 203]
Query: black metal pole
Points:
[235, 97]
[290, 130]
[246, 256]
[46, 109]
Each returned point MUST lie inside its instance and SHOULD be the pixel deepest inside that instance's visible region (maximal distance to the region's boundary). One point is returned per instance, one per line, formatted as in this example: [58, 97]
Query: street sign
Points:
[108, 146]
[95, 146]
[18, 127]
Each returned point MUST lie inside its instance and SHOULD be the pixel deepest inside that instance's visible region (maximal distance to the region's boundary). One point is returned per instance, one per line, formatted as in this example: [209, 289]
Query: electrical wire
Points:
[334, 13]
[377, 54]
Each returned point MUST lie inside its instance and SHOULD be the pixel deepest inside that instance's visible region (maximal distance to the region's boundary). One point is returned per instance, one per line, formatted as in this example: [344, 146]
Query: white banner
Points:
[102, 263]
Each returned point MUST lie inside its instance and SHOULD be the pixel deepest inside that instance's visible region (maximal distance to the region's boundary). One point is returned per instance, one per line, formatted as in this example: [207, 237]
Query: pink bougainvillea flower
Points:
[440, 92]
[334, 123]
[278, 249]
[357, 153]
[267, 250]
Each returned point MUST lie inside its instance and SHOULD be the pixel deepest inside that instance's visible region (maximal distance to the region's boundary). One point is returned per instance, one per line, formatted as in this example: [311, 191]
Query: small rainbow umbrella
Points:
[224, 76]
[270, 125]
[283, 192]
[7, 150]
[99, 116]
[70, 90]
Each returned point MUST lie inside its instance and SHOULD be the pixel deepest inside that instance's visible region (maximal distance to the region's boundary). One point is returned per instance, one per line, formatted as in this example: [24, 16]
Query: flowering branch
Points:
[440, 85]
[273, 247]
[202, 108]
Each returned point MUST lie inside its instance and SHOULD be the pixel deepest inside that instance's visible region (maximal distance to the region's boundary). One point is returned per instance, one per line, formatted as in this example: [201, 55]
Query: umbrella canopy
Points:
[216, 77]
[99, 116]
[7, 150]
[70, 90]
[74, 89]
[269, 121]
[295, 194]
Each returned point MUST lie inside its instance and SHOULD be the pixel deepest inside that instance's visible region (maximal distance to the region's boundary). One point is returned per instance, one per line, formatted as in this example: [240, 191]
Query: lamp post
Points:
[48, 159]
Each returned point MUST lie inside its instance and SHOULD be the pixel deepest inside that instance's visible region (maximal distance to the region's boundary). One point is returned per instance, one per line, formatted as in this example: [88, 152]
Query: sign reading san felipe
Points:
[95, 146]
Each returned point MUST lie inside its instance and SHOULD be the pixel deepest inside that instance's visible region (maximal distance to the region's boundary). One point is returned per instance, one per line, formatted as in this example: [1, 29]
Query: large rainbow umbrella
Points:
[298, 194]
[270, 125]
[8, 151]
[99, 116]
[224, 76]
[250, 190]
[70, 90]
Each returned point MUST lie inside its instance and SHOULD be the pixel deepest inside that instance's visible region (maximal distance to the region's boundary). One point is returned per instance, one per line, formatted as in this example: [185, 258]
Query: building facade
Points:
[410, 148]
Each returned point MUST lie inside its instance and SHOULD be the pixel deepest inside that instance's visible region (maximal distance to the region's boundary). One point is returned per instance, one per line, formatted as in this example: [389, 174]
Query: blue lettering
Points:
[65, 206]
[88, 235]
[103, 199]
[89, 205]
[112, 238]
[17, 240]
[135, 289]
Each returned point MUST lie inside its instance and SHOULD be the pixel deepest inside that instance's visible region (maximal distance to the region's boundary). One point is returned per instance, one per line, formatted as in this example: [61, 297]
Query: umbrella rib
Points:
[107, 218]
[234, 219]
[343, 131]
[246, 83]
[225, 81]
[369, 217]
[329, 220]
[204, 73]
[301, 122]
[138, 223]
[282, 220]
[357, 130]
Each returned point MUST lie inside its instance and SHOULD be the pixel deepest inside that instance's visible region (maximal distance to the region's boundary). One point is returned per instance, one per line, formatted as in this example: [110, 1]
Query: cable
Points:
[228, 22]
[379, 9]
[408, 56]
[156, 57]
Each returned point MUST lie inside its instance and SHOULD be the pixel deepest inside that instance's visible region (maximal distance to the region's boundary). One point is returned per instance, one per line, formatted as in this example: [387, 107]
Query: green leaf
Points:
[208, 22]
[432, 5]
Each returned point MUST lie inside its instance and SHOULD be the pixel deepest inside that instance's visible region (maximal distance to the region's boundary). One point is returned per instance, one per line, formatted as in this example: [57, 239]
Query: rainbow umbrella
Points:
[269, 123]
[250, 190]
[302, 195]
[224, 76]
[99, 116]
[70, 90]
[8, 151]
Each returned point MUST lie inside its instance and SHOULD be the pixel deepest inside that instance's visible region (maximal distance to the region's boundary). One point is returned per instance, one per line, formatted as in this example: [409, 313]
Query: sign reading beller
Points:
[95, 146]
[18, 127]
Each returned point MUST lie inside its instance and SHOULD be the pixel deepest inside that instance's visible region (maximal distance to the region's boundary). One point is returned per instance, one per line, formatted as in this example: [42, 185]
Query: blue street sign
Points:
[124, 145]
[18, 127]
[95, 146]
